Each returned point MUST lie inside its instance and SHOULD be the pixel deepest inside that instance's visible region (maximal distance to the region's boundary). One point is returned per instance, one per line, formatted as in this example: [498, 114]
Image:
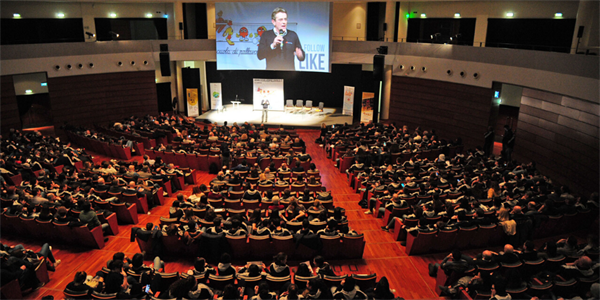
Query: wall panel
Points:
[10, 111]
[453, 110]
[561, 135]
[101, 98]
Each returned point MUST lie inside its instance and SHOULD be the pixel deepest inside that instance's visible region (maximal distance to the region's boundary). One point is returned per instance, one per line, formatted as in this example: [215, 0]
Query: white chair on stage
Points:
[320, 109]
[299, 105]
[308, 106]
[289, 105]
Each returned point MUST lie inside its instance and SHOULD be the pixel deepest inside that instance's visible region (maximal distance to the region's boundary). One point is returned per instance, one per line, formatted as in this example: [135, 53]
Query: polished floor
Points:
[384, 256]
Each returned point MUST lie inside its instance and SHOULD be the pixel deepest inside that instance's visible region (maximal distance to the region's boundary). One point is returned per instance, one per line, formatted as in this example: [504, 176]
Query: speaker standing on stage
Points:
[265, 103]
[280, 45]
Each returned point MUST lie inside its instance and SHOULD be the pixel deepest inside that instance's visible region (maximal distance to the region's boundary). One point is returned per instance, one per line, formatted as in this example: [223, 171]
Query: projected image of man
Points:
[280, 45]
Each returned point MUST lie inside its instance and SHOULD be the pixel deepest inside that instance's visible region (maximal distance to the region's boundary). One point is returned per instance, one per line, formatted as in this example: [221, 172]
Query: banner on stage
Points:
[348, 100]
[216, 97]
[366, 112]
[268, 89]
[192, 102]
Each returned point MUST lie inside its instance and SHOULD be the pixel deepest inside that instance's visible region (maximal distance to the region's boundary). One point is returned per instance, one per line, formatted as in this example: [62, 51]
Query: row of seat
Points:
[12, 289]
[147, 140]
[55, 232]
[104, 148]
[532, 286]
[264, 247]
[246, 284]
[203, 161]
[490, 235]
[292, 226]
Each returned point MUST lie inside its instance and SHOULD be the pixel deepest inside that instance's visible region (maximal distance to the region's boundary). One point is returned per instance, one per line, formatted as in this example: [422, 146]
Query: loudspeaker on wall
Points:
[165, 64]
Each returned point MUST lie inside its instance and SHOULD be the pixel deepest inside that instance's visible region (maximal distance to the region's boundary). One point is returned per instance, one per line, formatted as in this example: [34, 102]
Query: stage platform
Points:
[293, 117]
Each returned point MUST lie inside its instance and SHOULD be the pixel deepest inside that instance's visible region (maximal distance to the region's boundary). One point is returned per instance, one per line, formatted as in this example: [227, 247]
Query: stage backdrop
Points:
[216, 96]
[269, 89]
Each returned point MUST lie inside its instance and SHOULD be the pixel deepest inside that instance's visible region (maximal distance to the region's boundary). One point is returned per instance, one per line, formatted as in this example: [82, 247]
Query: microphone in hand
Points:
[281, 33]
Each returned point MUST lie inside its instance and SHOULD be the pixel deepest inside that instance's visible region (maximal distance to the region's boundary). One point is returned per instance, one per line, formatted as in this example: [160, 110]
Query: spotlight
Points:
[91, 65]
[401, 67]
[69, 67]
[80, 66]
[57, 67]
[424, 69]
[412, 68]
[476, 75]
[449, 72]
[113, 34]
[463, 74]
[132, 63]
[145, 63]
[90, 35]
[120, 63]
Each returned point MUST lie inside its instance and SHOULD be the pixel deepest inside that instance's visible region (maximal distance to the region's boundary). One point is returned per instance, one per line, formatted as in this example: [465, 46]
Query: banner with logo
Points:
[268, 89]
[216, 97]
[366, 111]
[192, 102]
[348, 100]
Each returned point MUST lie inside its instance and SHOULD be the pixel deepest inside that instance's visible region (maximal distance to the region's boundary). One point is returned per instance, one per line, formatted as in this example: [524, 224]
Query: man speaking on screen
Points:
[280, 45]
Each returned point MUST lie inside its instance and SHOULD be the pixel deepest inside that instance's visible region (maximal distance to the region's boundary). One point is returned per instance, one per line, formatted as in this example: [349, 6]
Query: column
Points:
[481, 23]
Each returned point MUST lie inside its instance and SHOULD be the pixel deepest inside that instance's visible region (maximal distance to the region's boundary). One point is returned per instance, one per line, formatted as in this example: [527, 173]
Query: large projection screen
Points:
[306, 36]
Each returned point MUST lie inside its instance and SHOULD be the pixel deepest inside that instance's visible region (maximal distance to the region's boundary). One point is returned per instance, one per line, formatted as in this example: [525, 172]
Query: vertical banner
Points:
[192, 102]
[348, 100]
[268, 89]
[366, 112]
[216, 98]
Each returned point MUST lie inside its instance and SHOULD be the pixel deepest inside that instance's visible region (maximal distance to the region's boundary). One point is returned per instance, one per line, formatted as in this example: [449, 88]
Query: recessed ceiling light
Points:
[148, 15]
[510, 15]
[166, 16]
[60, 15]
[15, 15]
[457, 15]
[112, 15]
[423, 16]
[558, 15]
[28, 92]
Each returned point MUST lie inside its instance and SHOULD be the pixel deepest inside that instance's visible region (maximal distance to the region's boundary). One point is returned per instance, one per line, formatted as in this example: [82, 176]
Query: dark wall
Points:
[36, 31]
[452, 110]
[102, 98]
[375, 21]
[8, 101]
[462, 31]
[318, 87]
[536, 34]
[195, 21]
[561, 135]
[131, 28]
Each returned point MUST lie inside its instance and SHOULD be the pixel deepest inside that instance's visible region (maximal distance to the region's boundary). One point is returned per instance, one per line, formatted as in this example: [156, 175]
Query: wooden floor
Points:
[406, 274]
